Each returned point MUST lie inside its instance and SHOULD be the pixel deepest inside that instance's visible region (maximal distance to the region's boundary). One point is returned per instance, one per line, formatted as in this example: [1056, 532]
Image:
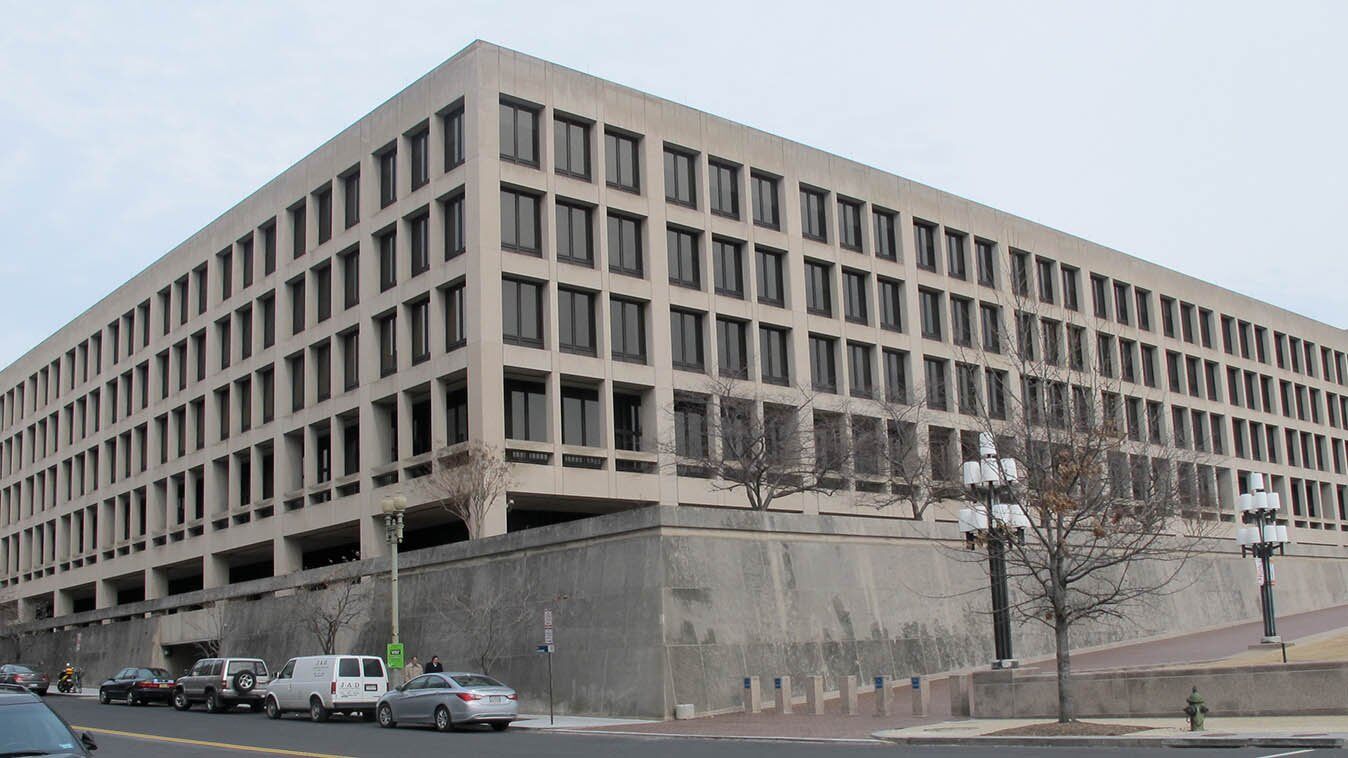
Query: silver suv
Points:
[222, 683]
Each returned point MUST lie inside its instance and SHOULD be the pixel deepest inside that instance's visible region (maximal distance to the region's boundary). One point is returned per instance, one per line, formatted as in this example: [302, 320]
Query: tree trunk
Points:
[1064, 659]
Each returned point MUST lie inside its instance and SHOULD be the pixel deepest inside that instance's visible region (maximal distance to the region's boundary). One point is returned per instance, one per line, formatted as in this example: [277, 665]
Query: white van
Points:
[327, 684]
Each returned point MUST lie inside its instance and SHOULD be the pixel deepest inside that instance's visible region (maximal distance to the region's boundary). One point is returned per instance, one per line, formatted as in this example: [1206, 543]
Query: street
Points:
[158, 731]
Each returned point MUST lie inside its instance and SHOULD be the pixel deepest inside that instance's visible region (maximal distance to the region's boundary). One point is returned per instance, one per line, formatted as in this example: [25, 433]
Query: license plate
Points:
[497, 699]
[371, 687]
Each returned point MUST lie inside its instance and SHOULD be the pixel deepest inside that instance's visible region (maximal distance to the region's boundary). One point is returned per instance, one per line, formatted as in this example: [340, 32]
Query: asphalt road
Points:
[161, 732]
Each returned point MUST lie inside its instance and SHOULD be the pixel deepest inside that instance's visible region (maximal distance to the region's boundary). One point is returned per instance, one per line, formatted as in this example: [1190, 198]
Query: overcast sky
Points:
[1205, 136]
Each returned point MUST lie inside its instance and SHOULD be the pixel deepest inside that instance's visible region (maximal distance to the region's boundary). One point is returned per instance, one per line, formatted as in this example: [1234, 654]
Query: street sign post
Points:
[547, 648]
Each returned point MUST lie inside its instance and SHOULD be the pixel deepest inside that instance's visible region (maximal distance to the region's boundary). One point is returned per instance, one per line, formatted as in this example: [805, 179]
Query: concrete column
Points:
[884, 696]
[814, 696]
[156, 584]
[495, 521]
[214, 571]
[373, 542]
[286, 556]
[753, 697]
[847, 687]
[921, 695]
[961, 695]
[62, 603]
[105, 595]
[782, 685]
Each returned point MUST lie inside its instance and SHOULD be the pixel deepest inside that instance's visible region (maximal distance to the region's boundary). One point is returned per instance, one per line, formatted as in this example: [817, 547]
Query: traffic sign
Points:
[547, 618]
[547, 636]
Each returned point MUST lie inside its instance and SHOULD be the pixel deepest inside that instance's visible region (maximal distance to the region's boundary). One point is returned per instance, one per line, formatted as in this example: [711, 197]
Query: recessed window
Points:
[575, 321]
[891, 304]
[323, 201]
[575, 242]
[622, 168]
[771, 287]
[886, 239]
[1143, 309]
[1046, 280]
[896, 376]
[684, 268]
[624, 245]
[456, 237]
[1071, 298]
[1099, 295]
[627, 319]
[1122, 308]
[961, 321]
[723, 180]
[856, 307]
[732, 348]
[519, 132]
[930, 302]
[519, 222]
[323, 294]
[812, 222]
[419, 241]
[818, 289]
[419, 322]
[686, 340]
[990, 317]
[680, 177]
[957, 258]
[351, 198]
[764, 190]
[823, 363]
[966, 388]
[924, 237]
[849, 224]
[727, 258]
[1020, 273]
[522, 312]
[773, 350]
[388, 260]
[387, 329]
[453, 125]
[419, 148]
[456, 317]
[526, 411]
[860, 371]
[388, 175]
[580, 417]
[571, 145]
[299, 227]
[937, 393]
[690, 426]
[986, 253]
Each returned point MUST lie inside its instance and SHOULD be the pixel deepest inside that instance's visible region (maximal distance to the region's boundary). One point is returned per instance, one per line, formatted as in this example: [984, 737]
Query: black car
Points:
[137, 685]
[29, 727]
[26, 676]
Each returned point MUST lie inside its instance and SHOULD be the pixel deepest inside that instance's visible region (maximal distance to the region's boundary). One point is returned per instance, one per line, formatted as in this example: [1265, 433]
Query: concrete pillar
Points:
[961, 695]
[884, 696]
[214, 571]
[373, 540]
[921, 695]
[105, 595]
[156, 584]
[753, 697]
[814, 695]
[783, 686]
[847, 687]
[495, 520]
[286, 556]
[62, 604]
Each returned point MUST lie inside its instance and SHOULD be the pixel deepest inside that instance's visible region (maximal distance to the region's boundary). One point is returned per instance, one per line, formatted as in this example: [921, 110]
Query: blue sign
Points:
[917, 682]
[747, 681]
[777, 683]
[879, 682]
[544, 649]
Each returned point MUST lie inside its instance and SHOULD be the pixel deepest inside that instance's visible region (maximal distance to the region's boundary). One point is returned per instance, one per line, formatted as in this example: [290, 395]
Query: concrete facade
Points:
[237, 410]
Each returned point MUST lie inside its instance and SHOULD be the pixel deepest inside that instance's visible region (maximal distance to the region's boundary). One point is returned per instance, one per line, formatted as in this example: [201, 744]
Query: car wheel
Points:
[385, 717]
[213, 704]
[317, 712]
[273, 710]
[180, 701]
[443, 721]
[103, 698]
[131, 699]
[500, 726]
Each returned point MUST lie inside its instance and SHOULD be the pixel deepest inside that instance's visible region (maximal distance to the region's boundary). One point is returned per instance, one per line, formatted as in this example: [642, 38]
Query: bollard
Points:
[961, 695]
[783, 686]
[921, 695]
[848, 690]
[814, 696]
[753, 699]
[684, 711]
[883, 696]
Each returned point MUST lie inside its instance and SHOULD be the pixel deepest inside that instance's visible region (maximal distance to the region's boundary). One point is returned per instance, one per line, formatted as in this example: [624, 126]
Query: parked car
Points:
[29, 727]
[26, 676]
[222, 683]
[137, 686]
[327, 684]
[449, 700]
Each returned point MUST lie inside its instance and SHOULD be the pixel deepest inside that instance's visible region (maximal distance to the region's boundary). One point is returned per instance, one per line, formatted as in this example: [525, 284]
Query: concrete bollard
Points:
[753, 698]
[782, 685]
[683, 711]
[883, 696]
[814, 696]
[848, 690]
[961, 695]
[921, 696]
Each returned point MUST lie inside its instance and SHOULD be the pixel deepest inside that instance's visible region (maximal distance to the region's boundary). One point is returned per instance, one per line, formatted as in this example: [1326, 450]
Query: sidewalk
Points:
[530, 721]
[1274, 731]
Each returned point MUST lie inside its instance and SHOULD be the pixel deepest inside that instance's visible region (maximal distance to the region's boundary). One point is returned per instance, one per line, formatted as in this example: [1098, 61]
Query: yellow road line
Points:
[204, 743]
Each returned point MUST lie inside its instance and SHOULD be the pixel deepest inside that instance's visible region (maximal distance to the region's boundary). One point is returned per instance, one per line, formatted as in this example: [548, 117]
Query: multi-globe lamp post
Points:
[995, 524]
[1261, 537]
[393, 507]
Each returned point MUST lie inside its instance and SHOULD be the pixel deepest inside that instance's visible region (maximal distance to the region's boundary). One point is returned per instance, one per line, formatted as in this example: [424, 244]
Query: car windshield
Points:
[257, 667]
[152, 674]
[476, 680]
[32, 729]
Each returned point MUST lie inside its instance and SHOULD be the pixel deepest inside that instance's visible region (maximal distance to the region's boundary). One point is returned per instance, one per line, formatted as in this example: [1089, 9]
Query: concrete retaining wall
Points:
[1294, 689]
[661, 606]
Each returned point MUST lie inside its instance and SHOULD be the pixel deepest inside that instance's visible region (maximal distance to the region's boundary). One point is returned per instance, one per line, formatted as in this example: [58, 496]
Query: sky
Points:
[1204, 136]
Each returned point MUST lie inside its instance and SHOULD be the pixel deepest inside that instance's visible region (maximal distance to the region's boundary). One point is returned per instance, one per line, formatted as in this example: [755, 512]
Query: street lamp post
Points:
[994, 524]
[393, 507]
[1261, 538]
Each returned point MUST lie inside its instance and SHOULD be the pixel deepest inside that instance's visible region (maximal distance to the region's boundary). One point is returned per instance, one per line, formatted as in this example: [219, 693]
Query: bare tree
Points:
[211, 628]
[16, 640]
[894, 453]
[467, 482]
[486, 621]
[770, 444]
[1114, 500]
[327, 609]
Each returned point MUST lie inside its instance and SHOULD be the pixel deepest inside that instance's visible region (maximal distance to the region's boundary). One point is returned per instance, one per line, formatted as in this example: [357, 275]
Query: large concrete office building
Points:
[512, 251]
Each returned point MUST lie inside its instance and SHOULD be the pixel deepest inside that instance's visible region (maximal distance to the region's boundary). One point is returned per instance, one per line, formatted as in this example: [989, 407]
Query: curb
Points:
[1223, 741]
[725, 737]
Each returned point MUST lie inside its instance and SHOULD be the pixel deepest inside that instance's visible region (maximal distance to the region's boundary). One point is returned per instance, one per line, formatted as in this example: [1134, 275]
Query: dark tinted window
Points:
[372, 667]
[571, 144]
[580, 418]
[526, 411]
[522, 312]
[886, 242]
[925, 239]
[686, 339]
[680, 177]
[348, 667]
[624, 245]
[849, 225]
[574, 240]
[575, 321]
[765, 201]
[818, 289]
[628, 321]
[770, 284]
[723, 182]
[519, 222]
[812, 221]
[683, 258]
[519, 133]
[729, 267]
[621, 166]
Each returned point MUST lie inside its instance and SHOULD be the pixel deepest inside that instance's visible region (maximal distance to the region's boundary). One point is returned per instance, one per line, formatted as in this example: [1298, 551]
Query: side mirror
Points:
[87, 741]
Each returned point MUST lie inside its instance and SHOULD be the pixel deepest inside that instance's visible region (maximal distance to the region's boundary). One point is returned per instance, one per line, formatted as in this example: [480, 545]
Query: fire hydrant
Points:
[1196, 710]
